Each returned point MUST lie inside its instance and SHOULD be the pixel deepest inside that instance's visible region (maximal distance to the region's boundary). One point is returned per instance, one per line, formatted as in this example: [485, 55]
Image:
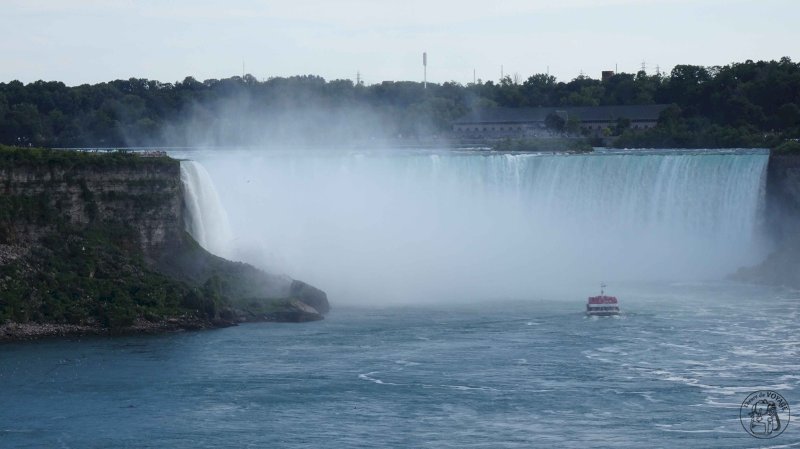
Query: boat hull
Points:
[602, 313]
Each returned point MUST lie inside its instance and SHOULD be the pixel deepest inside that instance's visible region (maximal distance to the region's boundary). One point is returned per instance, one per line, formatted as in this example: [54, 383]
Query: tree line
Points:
[740, 104]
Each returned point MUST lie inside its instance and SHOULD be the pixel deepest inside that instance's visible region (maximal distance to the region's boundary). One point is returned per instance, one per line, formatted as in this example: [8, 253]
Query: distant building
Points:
[530, 122]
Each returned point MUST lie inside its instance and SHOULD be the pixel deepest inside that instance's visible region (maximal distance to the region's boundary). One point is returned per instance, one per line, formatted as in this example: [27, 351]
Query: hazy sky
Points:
[88, 41]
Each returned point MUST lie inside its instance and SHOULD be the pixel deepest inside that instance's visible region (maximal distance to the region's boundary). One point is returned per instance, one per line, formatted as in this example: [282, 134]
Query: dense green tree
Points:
[572, 125]
[747, 101]
[555, 122]
[622, 125]
[788, 116]
[538, 90]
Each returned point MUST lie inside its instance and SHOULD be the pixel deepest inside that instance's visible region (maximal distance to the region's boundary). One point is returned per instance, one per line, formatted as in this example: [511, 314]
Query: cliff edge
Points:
[782, 267]
[95, 243]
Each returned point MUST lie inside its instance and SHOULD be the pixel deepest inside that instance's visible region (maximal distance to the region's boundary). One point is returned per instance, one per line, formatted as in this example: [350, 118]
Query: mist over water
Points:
[430, 226]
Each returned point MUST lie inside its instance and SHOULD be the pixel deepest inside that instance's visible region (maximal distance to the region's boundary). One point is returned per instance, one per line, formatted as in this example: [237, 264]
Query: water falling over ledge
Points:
[206, 219]
[391, 226]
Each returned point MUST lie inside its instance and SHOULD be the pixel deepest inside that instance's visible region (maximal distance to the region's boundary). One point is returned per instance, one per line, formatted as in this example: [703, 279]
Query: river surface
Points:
[672, 371]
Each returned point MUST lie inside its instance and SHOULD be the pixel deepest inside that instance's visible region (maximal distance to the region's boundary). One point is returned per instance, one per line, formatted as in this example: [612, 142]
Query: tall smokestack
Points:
[425, 70]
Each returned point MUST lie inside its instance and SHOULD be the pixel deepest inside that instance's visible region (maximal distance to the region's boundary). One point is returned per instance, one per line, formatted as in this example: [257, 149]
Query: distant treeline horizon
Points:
[747, 104]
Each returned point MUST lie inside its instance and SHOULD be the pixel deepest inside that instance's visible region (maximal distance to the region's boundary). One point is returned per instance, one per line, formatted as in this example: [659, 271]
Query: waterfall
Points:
[393, 225]
[207, 220]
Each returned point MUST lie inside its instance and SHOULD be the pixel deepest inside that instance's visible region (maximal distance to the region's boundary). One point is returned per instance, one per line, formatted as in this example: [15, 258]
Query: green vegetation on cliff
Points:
[97, 240]
[93, 276]
[788, 147]
[42, 158]
[59, 266]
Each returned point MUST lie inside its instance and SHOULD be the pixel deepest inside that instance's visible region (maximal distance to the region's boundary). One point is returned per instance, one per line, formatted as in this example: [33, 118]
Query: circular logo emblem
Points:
[764, 414]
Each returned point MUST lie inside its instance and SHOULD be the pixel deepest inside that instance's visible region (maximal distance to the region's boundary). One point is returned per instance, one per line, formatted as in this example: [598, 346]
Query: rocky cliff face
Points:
[96, 241]
[146, 195]
[782, 267]
[783, 196]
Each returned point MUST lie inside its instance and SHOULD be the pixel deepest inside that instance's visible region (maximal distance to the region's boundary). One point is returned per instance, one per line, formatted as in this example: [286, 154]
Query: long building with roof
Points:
[530, 122]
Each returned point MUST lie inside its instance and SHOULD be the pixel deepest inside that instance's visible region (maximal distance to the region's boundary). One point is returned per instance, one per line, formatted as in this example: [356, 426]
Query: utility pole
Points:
[502, 75]
[474, 80]
[242, 69]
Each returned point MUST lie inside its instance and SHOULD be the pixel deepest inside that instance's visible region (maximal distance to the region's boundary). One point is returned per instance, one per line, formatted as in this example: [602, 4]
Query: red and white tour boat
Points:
[602, 305]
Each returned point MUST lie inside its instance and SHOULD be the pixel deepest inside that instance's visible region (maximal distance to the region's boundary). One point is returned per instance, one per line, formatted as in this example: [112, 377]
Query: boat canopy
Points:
[603, 299]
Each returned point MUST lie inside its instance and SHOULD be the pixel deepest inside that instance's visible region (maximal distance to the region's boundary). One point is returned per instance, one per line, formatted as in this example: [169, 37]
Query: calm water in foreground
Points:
[671, 372]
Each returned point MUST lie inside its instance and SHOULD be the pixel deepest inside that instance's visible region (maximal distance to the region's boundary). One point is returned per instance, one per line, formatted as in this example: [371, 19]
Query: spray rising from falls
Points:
[397, 226]
[207, 220]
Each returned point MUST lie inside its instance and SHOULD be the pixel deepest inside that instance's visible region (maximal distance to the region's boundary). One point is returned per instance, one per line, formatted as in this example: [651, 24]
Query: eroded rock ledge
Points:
[95, 244]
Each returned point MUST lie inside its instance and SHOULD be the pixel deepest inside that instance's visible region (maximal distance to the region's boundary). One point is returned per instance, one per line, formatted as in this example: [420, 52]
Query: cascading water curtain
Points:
[429, 224]
[207, 220]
